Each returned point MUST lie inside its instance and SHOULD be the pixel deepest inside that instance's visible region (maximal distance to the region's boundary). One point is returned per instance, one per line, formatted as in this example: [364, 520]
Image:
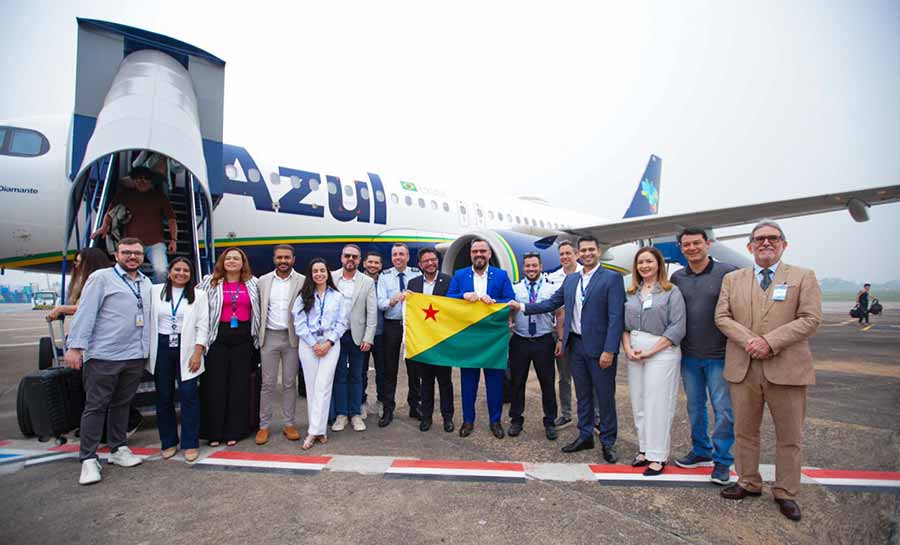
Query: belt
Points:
[575, 335]
[535, 338]
[393, 320]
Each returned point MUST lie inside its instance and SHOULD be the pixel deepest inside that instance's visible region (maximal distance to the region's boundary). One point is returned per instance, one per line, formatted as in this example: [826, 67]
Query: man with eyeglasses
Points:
[532, 343]
[422, 375]
[147, 205]
[372, 266]
[356, 342]
[768, 313]
[392, 287]
[110, 342]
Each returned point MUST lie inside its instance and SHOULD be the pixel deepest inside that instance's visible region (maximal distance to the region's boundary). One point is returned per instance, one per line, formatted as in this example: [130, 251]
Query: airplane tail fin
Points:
[646, 197]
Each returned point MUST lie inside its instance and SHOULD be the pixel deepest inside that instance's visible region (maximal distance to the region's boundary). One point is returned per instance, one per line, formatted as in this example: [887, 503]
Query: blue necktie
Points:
[402, 282]
[766, 280]
[532, 298]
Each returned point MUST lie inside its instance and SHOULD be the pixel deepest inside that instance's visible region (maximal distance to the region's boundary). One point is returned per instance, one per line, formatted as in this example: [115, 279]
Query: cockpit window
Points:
[22, 142]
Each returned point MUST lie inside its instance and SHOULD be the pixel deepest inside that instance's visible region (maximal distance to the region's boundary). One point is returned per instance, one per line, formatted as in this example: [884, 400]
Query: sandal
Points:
[308, 442]
[640, 460]
[214, 444]
[650, 472]
[322, 439]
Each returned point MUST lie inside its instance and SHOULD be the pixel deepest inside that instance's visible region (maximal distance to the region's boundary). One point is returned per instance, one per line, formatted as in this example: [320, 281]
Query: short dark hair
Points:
[141, 172]
[479, 239]
[531, 255]
[424, 251]
[565, 243]
[129, 241]
[373, 253]
[588, 238]
[867, 285]
[692, 231]
[287, 247]
[351, 245]
[400, 245]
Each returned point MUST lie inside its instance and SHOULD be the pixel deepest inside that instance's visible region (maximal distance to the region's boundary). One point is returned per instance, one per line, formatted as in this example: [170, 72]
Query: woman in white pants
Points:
[654, 327]
[321, 316]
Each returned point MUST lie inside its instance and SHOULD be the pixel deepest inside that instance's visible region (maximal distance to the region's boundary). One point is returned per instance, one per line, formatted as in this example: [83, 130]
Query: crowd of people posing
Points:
[726, 335]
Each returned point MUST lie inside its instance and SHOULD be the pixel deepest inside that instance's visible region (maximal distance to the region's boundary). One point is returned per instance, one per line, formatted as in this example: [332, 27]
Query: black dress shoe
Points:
[550, 432]
[424, 424]
[448, 426]
[650, 472]
[414, 413]
[514, 429]
[386, 418]
[609, 454]
[579, 444]
[789, 508]
[497, 430]
[737, 492]
[466, 429]
[638, 462]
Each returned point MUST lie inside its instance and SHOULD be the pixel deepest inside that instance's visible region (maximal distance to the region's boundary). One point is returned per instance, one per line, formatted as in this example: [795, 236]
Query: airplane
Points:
[137, 91]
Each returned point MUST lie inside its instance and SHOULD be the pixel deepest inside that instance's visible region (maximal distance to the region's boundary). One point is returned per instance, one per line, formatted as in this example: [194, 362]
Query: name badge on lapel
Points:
[173, 340]
[139, 320]
[779, 292]
[648, 304]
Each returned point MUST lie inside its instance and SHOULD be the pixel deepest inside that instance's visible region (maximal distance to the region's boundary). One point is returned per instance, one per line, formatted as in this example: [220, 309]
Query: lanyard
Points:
[135, 292]
[581, 287]
[321, 311]
[174, 307]
[234, 298]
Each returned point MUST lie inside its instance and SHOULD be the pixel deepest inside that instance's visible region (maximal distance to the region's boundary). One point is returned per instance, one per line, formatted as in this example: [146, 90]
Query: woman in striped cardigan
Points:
[225, 389]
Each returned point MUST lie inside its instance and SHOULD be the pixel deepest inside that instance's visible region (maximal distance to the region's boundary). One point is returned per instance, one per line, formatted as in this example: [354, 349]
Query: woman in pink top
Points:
[226, 388]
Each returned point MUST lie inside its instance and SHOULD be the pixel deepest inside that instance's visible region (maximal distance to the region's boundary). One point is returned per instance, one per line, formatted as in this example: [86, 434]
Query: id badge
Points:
[173, 340]
[779, 293]
[648, 303]
[139, 320]
[234, 322]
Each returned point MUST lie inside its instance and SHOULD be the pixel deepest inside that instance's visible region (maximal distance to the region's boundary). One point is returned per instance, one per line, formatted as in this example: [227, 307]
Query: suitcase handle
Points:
[56, 348]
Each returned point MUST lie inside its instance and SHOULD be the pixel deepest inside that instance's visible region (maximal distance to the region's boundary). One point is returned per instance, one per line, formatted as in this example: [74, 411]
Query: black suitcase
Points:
[54, 401]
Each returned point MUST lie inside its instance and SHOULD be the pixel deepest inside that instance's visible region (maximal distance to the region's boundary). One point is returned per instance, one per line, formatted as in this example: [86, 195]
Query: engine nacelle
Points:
[507, 248]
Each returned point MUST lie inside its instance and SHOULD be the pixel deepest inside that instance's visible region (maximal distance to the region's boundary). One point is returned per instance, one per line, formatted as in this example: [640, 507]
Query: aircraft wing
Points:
[629, 230]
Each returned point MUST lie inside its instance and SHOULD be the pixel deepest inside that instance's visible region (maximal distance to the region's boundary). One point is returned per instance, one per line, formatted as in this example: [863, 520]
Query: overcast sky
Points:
[745, 102]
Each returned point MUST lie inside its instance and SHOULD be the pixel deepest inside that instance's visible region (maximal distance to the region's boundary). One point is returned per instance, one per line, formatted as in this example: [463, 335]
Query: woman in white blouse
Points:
[179, 328]
[321, 315]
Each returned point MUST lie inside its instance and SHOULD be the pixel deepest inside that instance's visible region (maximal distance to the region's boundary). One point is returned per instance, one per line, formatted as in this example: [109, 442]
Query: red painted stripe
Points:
[457, 464]
[4, 443]
[628, 470]
[267, 457]
[849, 474]
[137, 450]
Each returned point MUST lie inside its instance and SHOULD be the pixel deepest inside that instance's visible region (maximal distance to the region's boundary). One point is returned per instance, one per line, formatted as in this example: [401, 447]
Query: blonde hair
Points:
[219, 272]
[660, 272]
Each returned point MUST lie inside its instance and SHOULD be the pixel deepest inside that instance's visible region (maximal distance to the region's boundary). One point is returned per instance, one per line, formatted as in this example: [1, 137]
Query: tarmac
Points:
[400, 485]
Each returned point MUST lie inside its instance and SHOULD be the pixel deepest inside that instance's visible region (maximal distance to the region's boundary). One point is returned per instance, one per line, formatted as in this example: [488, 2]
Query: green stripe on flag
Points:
[484, 344]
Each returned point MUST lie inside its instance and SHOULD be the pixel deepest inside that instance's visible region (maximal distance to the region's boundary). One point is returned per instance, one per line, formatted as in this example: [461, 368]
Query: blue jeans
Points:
[156, 255]
[593, 386]
[348, 378]
[700, 376]
[167, 372]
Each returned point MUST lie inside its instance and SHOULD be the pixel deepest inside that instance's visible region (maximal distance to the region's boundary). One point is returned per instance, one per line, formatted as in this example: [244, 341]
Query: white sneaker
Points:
[379, 408]
[90, 471]
[358, 424]
[339, 423]
[363, 413]
[124, 457]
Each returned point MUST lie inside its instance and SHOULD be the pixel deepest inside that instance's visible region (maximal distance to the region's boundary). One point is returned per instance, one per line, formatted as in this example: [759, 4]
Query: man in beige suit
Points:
[278, 342]
[356, 341]
[768, 314]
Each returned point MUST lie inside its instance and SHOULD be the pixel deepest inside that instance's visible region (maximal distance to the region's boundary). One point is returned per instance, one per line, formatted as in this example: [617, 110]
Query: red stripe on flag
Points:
[628, 470]
[266, 457]
[136, 450]
[850, 474]
[457, 464]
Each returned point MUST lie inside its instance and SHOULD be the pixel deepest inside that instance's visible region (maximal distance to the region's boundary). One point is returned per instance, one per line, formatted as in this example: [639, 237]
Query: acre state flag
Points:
[456, 333]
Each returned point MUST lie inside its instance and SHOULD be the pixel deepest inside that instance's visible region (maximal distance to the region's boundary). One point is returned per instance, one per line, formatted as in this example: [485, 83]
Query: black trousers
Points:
[414, 381]
[225, 385]
[523, 352]
[428, 373]
[392, 338]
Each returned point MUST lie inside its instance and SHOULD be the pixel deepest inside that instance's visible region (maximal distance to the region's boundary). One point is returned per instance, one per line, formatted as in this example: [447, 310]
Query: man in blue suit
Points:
[487, 284]
[595, 317]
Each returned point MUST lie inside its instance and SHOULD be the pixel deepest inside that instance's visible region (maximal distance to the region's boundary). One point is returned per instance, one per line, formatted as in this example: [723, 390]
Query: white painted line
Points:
[259, 463]
[490, 473]
[856, 482]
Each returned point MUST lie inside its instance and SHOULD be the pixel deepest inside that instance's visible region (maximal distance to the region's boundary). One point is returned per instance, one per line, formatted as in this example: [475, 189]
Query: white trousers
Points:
[318, 374]
[654, 394]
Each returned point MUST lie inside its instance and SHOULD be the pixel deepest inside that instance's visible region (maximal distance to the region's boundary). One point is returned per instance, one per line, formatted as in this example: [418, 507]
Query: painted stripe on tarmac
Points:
[104, 451]
[252, 461]
[457, 469]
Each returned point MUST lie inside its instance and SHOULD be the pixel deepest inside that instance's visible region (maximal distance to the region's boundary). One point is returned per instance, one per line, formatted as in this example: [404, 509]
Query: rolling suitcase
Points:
[52, 399]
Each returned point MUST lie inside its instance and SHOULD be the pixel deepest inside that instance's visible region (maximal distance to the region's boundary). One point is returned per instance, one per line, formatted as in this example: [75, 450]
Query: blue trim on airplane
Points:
[82, 129]
[646, 197]
[151, 40]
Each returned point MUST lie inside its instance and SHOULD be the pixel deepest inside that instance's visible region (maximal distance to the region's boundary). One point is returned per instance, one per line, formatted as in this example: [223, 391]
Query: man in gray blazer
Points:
[278, 342]
[356, 342]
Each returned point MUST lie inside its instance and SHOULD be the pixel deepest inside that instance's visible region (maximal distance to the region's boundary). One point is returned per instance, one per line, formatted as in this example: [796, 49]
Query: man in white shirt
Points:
[568, 266]
[278, 342]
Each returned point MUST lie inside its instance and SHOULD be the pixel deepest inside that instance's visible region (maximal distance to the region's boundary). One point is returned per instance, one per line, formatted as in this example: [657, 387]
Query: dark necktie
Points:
[532, 298]
[766, 280]
[402, 282]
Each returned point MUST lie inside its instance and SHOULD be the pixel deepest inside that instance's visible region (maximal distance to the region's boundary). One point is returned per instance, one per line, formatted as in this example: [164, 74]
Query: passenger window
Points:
[421, 203]
[25, 142]
[446, 207]
[517, 219]
[479, 212]
[253, 175]
[313, 184]
[490, 214]
[542, 223]
[395, 199]
[348, 191]
[408, 200]
[275, 179]
[230, 171]
[364, 193]
[295, 182]
[434, 205]
[332, 188]
[379, 196]
[462, 209]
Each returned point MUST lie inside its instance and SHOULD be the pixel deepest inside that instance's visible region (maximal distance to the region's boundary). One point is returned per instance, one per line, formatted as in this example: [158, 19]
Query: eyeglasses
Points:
[129, 253]
[428, 260]
[351, 256]
[771, 238]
